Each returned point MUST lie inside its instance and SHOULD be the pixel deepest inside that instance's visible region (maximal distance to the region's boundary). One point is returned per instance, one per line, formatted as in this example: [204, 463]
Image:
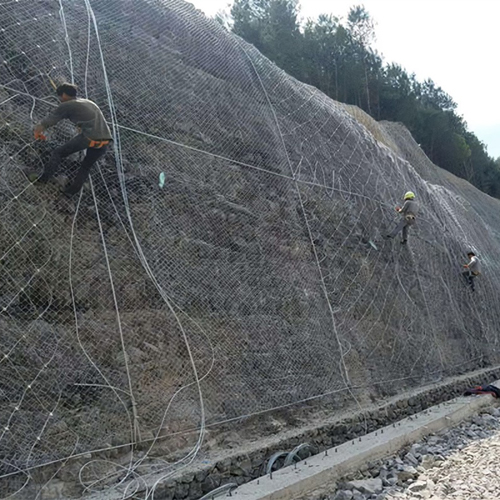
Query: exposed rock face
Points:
[257, 277]
[367, 486]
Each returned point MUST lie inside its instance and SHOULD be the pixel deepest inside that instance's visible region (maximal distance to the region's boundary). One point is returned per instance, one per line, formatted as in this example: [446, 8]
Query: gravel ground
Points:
[462, 464]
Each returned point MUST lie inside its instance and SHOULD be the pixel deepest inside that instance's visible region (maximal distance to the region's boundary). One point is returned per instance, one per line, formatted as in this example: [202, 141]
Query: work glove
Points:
[39, 135]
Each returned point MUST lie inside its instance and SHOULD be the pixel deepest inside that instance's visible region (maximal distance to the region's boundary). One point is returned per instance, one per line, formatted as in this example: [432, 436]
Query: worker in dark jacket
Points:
[409, 212]
[94, 135]
[472, 269]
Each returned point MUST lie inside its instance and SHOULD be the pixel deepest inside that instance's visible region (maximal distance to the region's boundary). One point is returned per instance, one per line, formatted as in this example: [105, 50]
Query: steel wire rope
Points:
[195, 450]
[345, 373]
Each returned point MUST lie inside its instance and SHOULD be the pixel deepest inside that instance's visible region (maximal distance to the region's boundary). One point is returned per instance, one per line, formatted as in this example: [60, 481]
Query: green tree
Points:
[398, 96]
[325, 43]
[362, 31]
[248, 17]
[273, 28]
[339, 59]
[281, 36]
[436, 97]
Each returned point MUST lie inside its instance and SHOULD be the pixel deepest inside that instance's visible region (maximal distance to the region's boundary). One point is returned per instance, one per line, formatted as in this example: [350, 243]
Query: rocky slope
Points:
[254, 279]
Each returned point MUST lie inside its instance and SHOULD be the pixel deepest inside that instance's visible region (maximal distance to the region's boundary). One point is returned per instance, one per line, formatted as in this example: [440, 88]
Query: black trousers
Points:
[403, 226]
[78, 143]
[469, 277]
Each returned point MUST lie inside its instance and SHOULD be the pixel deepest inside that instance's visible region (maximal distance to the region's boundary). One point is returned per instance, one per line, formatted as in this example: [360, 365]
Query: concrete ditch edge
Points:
[245, 463]
[331, 465]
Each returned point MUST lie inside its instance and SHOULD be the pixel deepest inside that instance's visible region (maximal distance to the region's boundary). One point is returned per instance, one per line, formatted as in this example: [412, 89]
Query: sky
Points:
[453, 42]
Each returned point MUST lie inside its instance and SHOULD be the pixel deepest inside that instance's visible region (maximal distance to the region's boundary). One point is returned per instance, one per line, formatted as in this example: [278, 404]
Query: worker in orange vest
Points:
[94, 135]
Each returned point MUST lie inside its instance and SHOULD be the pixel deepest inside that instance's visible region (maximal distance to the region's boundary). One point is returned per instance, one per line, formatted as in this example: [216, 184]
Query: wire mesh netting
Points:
[225, 259]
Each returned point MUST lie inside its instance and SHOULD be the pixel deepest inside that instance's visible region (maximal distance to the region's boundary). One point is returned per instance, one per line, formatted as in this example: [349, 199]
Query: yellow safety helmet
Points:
[409, 195]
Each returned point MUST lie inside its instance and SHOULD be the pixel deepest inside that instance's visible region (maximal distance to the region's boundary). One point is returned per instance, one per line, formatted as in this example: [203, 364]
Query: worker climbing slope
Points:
[409, 212]
[472, 269]
[94, 135]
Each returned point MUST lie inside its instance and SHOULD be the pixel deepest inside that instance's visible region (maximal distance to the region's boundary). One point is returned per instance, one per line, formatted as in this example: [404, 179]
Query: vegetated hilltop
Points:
[256, 277]
[339, 57]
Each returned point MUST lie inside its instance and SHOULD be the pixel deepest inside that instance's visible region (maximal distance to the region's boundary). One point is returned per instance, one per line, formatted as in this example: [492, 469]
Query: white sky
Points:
[454, 42]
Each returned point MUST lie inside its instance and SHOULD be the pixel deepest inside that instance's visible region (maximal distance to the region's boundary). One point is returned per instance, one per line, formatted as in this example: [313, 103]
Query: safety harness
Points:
[98, 144]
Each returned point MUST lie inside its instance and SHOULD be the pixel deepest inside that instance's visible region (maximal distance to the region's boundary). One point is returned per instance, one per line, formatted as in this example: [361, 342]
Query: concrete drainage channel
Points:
[223, 472]
[309, 475]
[286, 458]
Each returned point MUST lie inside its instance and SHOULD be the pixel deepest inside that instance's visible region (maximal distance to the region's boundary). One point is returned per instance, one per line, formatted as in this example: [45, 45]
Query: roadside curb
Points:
[328, 466]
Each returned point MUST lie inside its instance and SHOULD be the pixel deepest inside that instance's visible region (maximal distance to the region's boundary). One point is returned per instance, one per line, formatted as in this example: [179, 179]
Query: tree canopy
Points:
[338, 57]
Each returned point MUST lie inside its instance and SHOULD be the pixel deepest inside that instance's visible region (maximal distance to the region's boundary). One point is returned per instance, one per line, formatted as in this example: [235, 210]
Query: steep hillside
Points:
[256, 278]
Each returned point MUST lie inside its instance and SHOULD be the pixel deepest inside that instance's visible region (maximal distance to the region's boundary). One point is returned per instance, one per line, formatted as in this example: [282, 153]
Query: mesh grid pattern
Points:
[255, 278]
